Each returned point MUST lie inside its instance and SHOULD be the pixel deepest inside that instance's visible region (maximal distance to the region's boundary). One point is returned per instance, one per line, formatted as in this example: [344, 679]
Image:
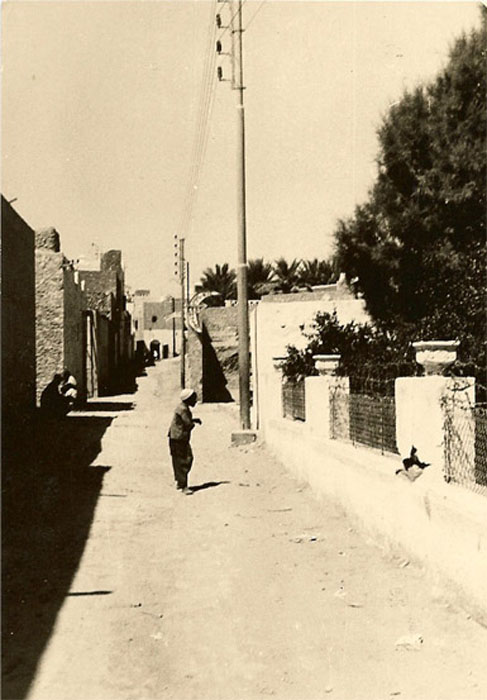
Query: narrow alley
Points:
[248, 588]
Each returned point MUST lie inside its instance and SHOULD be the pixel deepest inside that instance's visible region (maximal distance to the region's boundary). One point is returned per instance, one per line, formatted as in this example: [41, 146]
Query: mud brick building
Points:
[110, 342]
[153, 322]
[213, 355]
[18, 328]
[60, 314]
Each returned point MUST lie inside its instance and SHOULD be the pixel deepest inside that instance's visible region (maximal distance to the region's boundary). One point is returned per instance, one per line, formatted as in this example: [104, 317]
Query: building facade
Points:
[60, 315]
[18, 329]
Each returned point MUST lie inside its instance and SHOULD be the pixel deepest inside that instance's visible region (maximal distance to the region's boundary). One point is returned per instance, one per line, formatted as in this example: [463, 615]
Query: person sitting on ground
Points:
[53, 403]
[69, 388]
[179, 439]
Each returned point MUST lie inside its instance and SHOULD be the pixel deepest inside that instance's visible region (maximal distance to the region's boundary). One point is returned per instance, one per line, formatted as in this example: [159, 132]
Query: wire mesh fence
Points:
[293, 400]
[466, 446]
[366, 414]
[373, 421]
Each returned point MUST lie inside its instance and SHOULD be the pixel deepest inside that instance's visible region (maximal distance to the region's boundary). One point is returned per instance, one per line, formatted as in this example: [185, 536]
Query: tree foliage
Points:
[259, 278]
[267, 278]
[418, 245]
[286, 274]
[221, 280]
[315, 272]
[363, 348]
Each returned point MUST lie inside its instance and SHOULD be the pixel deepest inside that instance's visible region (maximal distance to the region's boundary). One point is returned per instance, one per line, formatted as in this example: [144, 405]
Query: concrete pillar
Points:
[320, 394]
[419, 418]
[422, 404]
[273, 395]
[425, 408]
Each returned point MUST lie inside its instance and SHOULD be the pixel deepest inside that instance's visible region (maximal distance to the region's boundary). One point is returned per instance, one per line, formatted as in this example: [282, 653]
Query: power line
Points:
[255, 13]
[201, 131]
[230, 24]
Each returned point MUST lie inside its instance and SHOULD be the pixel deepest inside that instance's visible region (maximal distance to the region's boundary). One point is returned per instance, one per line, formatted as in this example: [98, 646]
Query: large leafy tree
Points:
[221, 280]
[418, 245]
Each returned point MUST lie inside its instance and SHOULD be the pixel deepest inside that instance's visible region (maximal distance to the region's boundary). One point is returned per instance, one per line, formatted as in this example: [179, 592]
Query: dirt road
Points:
[248, 588]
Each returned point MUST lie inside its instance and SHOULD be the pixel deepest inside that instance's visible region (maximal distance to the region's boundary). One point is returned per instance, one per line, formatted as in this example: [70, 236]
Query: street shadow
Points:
[48, 510]
[208, 485]
[108, 406]
[214, 382]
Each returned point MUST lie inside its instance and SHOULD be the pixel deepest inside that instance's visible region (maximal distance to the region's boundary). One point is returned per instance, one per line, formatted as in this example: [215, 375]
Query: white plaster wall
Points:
[420, 417]
[164, 336]
[277, 325]
[442, 526]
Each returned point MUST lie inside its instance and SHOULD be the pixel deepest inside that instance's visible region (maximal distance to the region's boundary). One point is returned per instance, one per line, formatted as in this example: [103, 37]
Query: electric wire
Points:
[202, 129]
[230, 24]
[188, 204]
[255, 13]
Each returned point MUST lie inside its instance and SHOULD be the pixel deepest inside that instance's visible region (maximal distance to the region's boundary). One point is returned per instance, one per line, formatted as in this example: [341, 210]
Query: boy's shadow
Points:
[207, 485]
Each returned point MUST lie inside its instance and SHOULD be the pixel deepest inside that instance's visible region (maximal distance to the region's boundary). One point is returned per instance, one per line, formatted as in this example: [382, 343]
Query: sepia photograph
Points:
[244, 334]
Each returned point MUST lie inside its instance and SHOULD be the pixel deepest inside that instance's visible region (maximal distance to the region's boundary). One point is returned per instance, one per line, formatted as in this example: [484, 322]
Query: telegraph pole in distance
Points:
[182, 279]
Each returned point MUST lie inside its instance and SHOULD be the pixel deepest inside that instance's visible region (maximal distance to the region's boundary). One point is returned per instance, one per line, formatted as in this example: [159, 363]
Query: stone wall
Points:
[104, 349]
[155, 313]
[100, 289]
[194, 363]
[60, 309]
[49, 308]
[74, 330]
[18, 321]
[213, 355]
[221, 326]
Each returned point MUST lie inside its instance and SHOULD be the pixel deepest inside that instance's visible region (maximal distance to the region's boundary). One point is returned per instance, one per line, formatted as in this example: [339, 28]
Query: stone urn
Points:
[436, 355]
[326, 364]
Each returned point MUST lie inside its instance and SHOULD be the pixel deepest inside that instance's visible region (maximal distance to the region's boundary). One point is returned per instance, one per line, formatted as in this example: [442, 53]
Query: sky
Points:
[109, 107]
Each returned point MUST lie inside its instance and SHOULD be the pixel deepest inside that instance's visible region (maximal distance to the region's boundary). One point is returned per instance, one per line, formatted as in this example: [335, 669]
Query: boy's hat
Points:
[187, 394]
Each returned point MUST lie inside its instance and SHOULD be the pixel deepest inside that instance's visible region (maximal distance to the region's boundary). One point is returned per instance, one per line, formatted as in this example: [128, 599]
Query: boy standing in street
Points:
[179, 439]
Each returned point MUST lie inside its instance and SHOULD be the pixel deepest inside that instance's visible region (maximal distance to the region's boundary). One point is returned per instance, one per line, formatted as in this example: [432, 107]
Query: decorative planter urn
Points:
[326, 364]
[278, 361]
[436, 355]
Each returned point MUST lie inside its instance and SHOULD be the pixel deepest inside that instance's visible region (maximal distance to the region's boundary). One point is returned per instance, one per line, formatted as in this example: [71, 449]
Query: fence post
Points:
[275, 388]
[420, 415]
[320, 393]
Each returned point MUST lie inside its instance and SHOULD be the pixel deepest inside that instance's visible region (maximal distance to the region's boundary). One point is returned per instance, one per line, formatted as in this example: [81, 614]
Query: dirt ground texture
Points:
[250, 587]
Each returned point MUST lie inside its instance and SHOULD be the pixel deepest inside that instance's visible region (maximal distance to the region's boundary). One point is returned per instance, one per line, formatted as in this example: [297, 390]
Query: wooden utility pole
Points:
[182, 279]
[242, 266]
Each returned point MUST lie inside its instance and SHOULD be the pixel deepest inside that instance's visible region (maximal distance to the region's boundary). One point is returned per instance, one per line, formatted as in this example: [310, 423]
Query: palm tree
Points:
[221, 280]
[286, 274]
[315, 272]
[259, 278]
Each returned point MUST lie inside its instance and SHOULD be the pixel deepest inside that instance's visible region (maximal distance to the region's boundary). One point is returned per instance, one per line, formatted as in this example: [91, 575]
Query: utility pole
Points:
[182, 276]
[180, 272]
[242, 266]
[173, 309]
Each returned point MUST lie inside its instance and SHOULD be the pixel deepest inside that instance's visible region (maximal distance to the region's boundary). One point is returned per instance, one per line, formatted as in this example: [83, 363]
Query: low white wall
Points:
[441, 525]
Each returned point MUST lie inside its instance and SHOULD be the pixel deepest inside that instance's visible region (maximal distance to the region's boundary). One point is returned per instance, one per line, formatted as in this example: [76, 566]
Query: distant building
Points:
[157, 321]
[110, 342]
